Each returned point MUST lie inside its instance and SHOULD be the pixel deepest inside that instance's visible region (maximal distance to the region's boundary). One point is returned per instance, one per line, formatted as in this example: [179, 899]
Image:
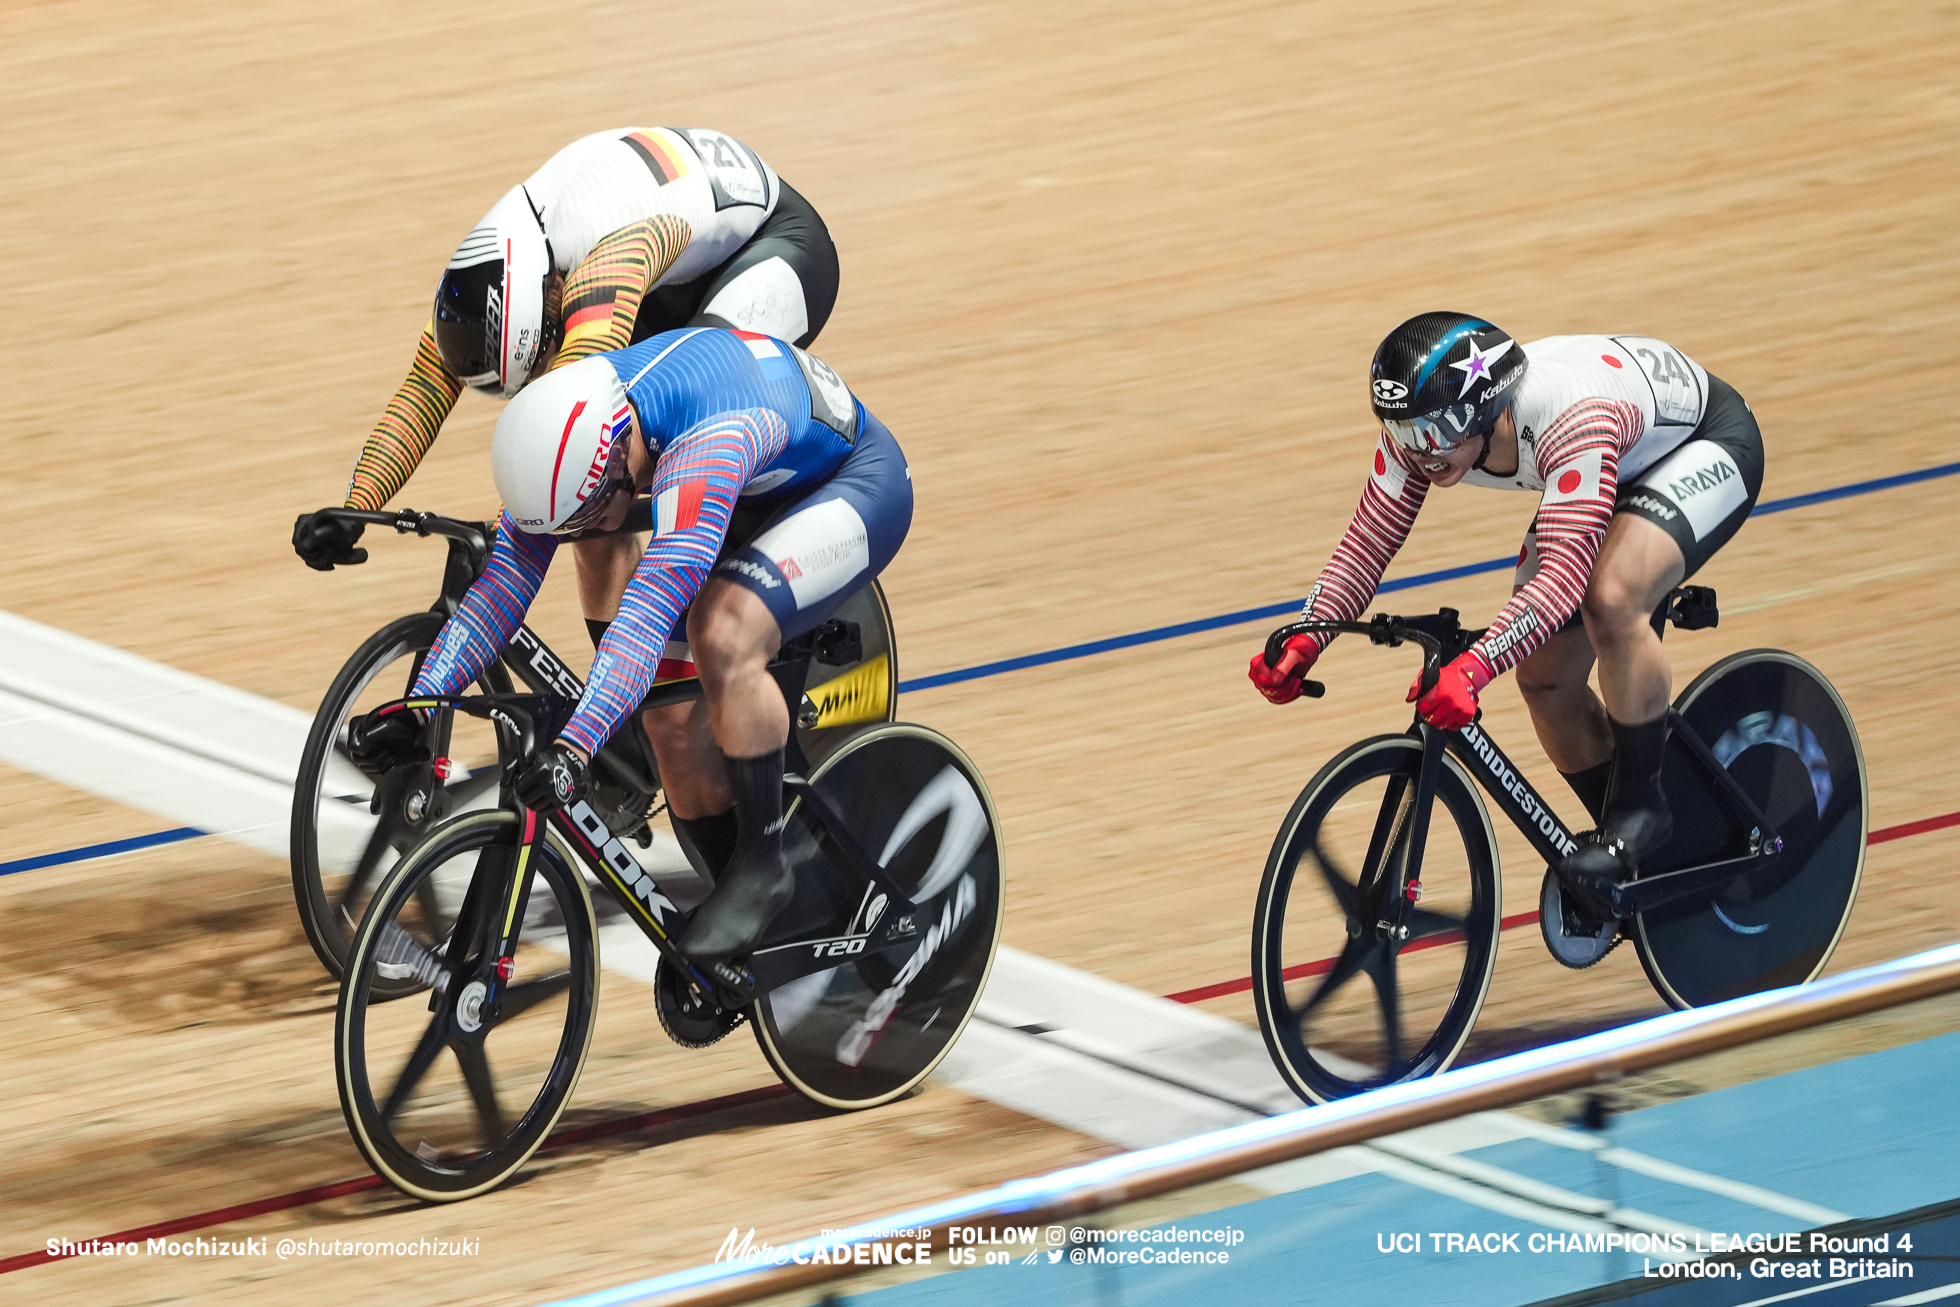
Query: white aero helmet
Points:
[489, 319]
[560, 447]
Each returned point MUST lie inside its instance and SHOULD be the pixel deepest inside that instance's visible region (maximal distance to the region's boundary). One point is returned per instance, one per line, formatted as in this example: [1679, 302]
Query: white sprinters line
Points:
[1687, 1177]
[1924, 1295]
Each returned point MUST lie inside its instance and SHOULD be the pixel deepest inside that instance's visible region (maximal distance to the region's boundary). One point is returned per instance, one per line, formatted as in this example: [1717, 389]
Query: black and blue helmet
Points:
[1440, 378]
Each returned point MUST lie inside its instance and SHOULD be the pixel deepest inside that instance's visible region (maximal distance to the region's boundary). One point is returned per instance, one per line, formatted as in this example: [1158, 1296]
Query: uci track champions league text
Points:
[1816, 1255]
[991, 1245]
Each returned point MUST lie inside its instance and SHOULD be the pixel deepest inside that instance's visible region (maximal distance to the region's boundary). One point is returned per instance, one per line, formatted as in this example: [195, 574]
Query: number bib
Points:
[830, 399]
[734, 173]
[1679, 397]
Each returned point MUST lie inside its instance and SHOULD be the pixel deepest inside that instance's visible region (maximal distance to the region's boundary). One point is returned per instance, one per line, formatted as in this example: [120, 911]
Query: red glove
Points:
[1452, 704]
[1281, 684]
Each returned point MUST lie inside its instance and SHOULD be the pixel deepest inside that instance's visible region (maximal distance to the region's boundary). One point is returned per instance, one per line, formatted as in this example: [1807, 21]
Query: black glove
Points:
[378, 743]
[322, 540]
[553, 777]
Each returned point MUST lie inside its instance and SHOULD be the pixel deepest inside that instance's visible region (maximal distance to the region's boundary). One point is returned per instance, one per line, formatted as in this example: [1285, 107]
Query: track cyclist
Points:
[1646, 465]
[702, 417]
[619, 236]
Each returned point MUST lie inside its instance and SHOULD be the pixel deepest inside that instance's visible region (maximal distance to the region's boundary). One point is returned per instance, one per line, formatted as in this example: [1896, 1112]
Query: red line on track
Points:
[1240, 986]
[667, 1116]
[339, 1189]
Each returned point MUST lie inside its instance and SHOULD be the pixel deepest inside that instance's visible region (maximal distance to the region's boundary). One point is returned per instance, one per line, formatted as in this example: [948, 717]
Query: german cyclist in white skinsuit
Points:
[619, 236]
[1645, 464]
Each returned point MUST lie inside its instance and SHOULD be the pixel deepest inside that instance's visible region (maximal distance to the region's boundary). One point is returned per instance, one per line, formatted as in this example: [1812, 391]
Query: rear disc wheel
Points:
[1783, 734]
[870, 1029]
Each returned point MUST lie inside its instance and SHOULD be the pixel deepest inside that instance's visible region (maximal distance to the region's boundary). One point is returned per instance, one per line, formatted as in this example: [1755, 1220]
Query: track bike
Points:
[862, 984]
[347, 829]
[1378, 917]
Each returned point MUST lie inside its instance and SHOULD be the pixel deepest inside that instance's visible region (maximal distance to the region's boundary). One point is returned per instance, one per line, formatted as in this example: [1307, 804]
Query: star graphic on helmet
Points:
[1477, 367]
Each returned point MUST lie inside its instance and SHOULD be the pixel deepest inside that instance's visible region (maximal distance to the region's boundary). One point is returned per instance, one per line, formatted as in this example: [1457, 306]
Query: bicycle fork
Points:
[1401, 836]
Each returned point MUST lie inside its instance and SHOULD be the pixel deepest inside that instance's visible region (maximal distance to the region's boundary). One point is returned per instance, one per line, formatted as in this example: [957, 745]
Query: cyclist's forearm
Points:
[604, 293]
[696, 489]
[491, 610]
[407, 428]
[1382, 521]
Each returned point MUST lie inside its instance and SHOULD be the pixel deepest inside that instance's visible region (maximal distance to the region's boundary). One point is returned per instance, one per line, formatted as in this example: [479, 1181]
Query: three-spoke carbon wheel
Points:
[1784, 736]
[1347, 1002]
[448, 1097]
[870, 1029]
[347, 830]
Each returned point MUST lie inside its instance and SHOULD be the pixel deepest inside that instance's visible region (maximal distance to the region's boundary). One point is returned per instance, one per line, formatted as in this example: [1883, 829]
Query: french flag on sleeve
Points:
[678, 507]
[769, 352]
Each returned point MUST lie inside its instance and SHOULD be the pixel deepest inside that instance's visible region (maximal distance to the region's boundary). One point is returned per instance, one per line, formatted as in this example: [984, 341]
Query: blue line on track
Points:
[1265, 612]
[1268, 611]
[101, 850]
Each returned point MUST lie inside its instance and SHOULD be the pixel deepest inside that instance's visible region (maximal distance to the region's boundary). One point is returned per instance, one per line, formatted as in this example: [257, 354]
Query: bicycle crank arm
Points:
[1656, 892]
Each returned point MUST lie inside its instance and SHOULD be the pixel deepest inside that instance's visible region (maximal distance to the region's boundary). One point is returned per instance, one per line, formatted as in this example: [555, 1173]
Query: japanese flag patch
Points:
[1575, 480]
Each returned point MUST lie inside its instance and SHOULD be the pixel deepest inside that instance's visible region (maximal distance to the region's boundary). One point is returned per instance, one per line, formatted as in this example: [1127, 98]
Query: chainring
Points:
[689, 1022]
[1565, 939]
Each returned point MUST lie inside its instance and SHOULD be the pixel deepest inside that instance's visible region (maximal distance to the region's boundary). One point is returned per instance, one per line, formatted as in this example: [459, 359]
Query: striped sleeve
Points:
[491, 610]
[407, 428]
[1580, 453]
[694, 489]
[1389, 504]
[603, 294]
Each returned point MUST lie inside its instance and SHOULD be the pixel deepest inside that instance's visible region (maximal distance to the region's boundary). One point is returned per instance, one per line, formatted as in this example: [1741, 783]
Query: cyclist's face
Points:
[1446, 469]
[639, 469]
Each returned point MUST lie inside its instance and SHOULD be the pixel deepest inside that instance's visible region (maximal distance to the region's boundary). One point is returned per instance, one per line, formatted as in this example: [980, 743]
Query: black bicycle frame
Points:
[1442, 637]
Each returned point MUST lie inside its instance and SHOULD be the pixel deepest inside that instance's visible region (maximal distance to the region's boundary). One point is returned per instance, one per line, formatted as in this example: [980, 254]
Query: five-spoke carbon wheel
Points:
[1783, 734]
[1359, 980]
[448, 1097]
[347, 830]
[869, 1029]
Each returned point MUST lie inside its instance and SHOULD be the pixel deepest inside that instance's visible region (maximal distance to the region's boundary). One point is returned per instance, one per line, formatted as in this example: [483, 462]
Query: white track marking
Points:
[1627, 1159]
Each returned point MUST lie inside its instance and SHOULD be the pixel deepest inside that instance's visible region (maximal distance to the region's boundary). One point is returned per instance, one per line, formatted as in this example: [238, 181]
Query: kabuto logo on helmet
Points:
[1387, 392]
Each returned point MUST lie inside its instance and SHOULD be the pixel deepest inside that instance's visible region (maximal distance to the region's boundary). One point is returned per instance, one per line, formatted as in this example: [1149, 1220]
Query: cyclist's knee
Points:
[1616, 611]
[730, 630]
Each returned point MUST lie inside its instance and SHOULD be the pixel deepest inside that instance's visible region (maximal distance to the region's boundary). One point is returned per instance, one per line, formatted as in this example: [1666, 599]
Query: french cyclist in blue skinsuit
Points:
[720, 426]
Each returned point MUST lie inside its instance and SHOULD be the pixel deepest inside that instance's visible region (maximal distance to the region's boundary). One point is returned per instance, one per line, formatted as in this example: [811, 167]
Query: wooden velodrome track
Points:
[1112, 273]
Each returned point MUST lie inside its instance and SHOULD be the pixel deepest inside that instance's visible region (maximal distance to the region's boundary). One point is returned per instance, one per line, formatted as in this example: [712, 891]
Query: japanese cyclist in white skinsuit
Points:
[1645, 464]
[620, 235]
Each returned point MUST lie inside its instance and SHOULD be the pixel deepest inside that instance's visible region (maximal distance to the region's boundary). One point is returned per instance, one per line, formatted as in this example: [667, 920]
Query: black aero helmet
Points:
[491, 324]
[1440, 378]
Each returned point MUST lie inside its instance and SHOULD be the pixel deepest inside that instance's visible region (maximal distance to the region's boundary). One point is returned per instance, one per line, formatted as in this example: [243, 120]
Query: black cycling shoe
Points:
[731, 922]
[1611, 856]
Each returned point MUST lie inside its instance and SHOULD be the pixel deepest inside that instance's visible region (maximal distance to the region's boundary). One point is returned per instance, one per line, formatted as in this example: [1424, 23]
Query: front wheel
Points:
[347, 829]
[449, 1097]
[1345, 1000]
[1782, 733]
[873, 1027]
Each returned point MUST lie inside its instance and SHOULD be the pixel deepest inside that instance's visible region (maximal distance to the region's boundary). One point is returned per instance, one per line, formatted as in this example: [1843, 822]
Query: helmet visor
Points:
[1433, 433]
[615, 479]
